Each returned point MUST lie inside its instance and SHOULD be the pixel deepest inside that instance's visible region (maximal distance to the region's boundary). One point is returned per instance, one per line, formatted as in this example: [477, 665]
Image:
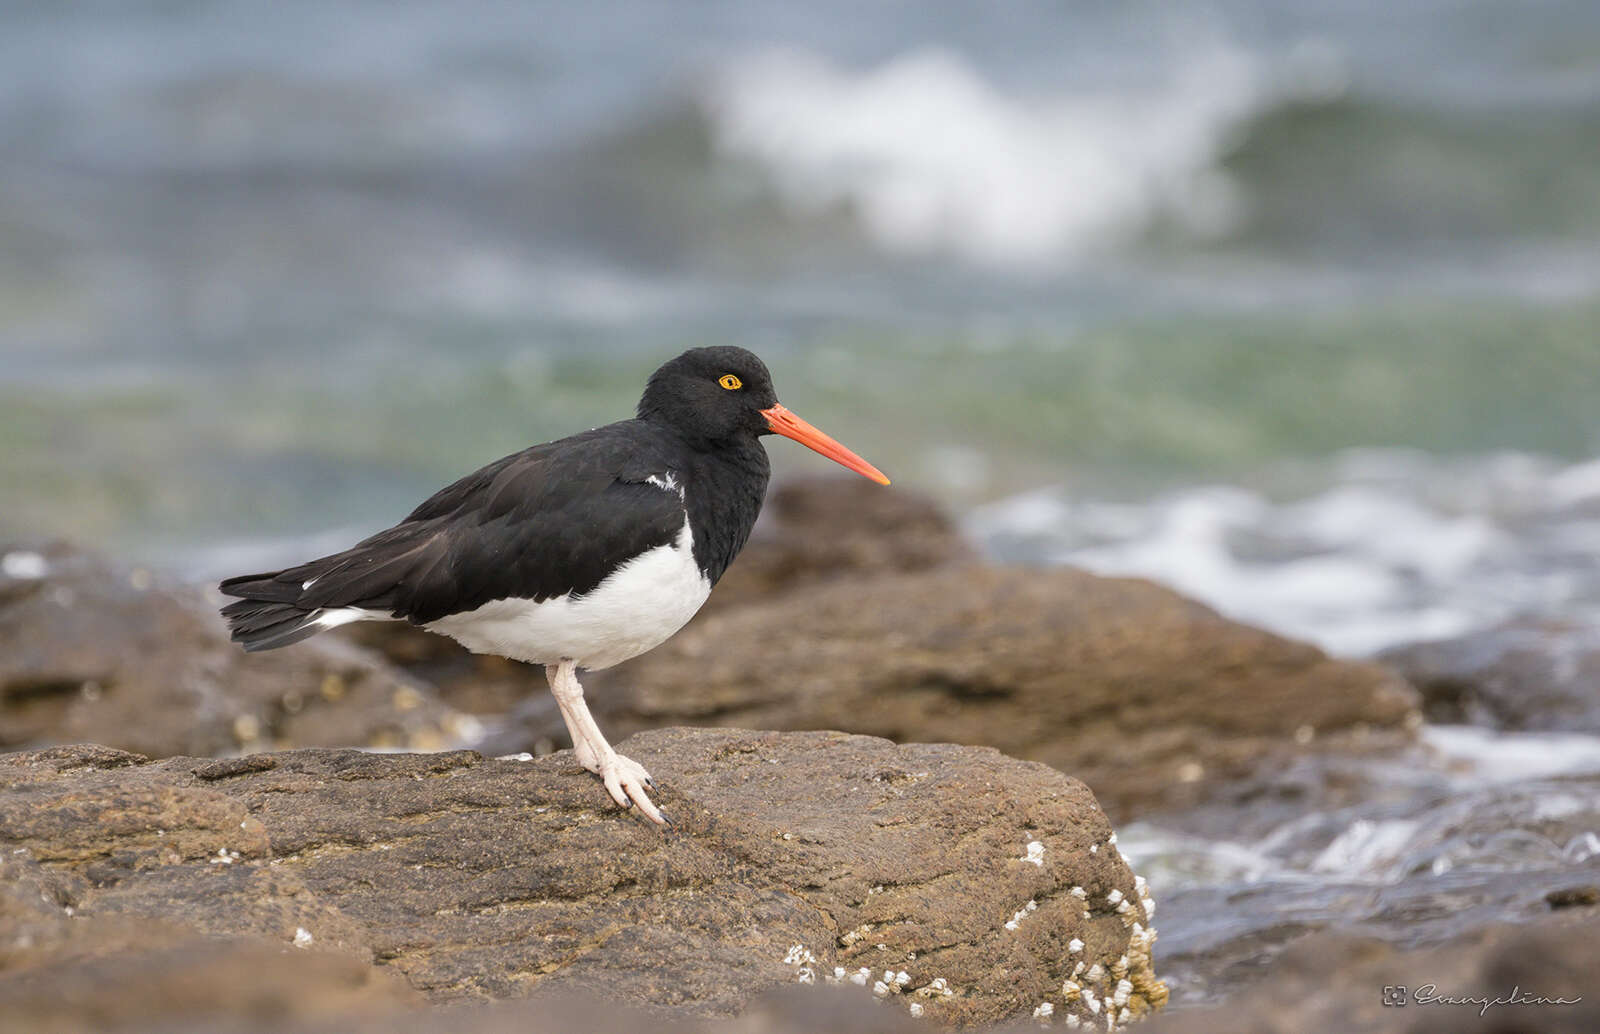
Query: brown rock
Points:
[203, 985]
[89, 651]
[1337, 984]
[822, 529]
[1149, 697]
[1535, 675]
[482, 879]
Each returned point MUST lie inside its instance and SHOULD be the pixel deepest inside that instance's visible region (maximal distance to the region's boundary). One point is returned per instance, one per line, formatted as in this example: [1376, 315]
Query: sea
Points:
[1293, 305]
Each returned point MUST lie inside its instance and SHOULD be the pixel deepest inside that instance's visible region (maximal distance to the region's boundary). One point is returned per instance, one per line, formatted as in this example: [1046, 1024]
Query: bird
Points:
[576, 554]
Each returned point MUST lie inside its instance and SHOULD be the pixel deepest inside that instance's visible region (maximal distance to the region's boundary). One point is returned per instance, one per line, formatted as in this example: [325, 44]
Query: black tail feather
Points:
[267, 625]
[271, 587]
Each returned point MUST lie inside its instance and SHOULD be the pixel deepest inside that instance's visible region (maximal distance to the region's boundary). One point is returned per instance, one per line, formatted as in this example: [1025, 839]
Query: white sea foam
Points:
[1397, 550]
[1486, 756]
[930, 155]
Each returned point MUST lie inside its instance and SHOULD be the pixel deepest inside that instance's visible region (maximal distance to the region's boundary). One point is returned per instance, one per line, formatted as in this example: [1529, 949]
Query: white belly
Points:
[636, 608]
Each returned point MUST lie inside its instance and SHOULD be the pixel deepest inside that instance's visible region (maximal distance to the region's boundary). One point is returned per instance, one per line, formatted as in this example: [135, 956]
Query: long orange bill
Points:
[790, 426]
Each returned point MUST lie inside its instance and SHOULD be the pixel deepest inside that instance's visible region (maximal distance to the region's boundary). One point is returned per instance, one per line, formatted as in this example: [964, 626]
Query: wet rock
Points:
[1152, 699]
[1525, 675]
[1340, 984]
[94, 652]
[933, 868]
[1455, 833]
[812, 530]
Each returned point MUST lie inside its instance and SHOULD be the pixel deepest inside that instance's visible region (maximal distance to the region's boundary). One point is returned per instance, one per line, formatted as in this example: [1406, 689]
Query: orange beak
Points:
[790, 426]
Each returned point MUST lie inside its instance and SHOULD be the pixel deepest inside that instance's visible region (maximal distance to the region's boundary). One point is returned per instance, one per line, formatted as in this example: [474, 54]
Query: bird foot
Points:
[625, 780]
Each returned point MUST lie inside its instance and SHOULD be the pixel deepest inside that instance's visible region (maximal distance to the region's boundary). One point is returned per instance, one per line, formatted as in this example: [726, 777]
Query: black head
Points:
[724, 394]
[711, 394]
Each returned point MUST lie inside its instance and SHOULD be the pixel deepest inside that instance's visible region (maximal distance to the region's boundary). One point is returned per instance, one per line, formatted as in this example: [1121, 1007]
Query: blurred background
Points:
[1292, 305]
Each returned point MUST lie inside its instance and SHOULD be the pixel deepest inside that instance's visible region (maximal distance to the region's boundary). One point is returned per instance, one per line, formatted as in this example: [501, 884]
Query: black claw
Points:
[651, 783]
[666, 821]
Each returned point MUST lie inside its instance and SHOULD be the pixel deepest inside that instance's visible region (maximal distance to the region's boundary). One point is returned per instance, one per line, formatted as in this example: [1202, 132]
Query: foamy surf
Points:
[932, 156]
[1397, 549]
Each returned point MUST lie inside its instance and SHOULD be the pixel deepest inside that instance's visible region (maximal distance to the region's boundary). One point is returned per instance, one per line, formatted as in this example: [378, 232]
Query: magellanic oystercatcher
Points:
[579, 553]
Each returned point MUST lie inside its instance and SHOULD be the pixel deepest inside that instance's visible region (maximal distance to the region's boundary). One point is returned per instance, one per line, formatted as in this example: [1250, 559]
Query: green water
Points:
[214, 455]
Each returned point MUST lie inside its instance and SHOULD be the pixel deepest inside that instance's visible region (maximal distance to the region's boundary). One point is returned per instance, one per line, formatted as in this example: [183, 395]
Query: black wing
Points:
[547, 521]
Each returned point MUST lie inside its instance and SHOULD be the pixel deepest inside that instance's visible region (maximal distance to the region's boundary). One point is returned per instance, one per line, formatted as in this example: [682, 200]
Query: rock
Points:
[1339, 984]
[1529, 674]
[213, 985]
[1152, 699]
[812, 530]
[475, 879]
[92, 652]
[823, 529]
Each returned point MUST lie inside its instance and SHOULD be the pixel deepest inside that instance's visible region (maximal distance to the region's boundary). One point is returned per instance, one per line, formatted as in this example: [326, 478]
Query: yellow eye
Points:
[730, 382]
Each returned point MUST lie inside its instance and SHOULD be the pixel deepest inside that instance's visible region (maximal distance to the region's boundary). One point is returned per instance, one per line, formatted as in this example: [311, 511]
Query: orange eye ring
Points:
[730, 382]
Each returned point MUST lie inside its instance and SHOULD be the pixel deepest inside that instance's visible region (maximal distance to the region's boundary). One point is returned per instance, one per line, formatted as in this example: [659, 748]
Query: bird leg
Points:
[625, 778]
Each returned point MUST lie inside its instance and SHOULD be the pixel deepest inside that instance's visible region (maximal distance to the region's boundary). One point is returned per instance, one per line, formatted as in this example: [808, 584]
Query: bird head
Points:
[724, 393]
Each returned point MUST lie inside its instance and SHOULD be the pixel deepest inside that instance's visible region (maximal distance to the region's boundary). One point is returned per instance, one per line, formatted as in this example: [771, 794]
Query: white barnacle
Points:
[1112, 839]
[1071, 990]
[838, 974]
[902, 978]
[1073, 1023]
[916, 1010]
[940, 986]
[1020, 914]
[1096, 973]
[806, 975]
[1035, 853]
[861, 976]
[302, 937]
[879, 988]
[1119, 997]
[1114, 897]
[1044, 1011]
[1091, 1001]
[1094, 848]
[1079, 893]
[1075, 945]
[798, 955]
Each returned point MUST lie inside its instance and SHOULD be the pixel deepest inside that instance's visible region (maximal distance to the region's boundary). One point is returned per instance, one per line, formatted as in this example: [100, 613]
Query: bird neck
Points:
[728, 486]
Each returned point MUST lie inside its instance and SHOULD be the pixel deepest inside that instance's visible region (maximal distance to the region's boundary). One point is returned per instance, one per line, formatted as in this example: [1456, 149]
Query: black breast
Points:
[723, 492]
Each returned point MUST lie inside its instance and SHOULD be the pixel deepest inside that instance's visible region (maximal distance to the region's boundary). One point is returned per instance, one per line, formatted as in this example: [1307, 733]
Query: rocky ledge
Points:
[91, 651]
[954, 883]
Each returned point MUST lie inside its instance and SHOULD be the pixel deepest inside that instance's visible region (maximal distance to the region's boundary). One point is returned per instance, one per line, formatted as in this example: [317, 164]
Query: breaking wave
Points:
[932, 156]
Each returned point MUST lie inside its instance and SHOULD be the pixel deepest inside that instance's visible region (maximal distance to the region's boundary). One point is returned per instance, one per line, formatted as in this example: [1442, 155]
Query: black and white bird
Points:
[579, 553]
